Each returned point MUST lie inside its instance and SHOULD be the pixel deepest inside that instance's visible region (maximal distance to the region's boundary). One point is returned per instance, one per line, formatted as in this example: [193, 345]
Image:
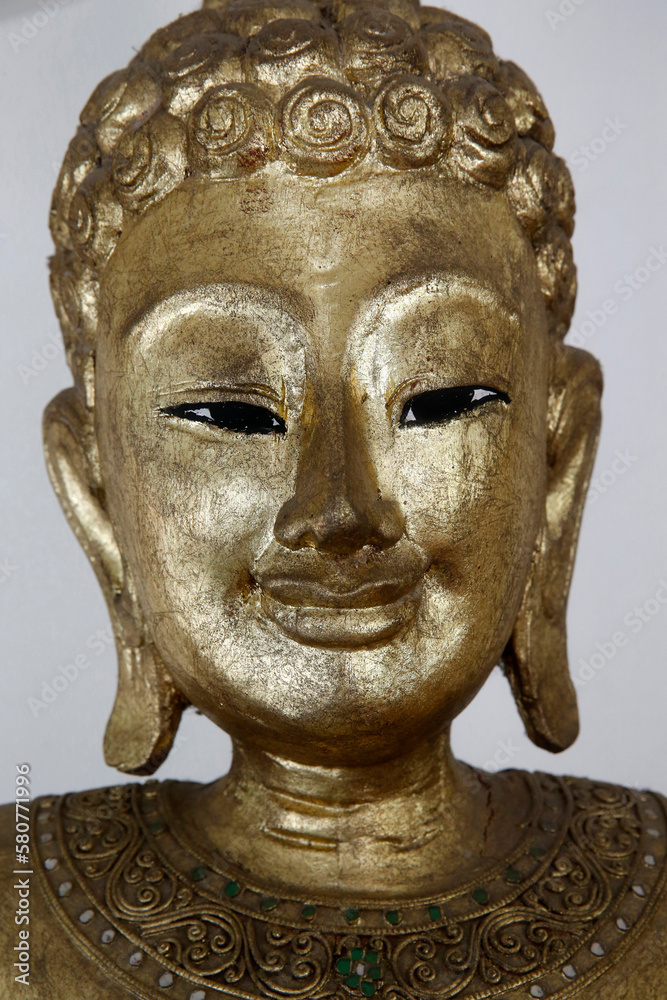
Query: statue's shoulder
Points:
[622, 836]
[39, 959]
[124, 900]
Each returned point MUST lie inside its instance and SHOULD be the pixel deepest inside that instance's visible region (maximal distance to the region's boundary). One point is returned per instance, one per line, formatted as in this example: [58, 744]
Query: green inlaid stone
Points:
[156, 827]
[434, 912]
[481, 896]
[512, 875]
[371, 957]
[232, 889]
[548, 826]
[357, 954]
[351, 915]
[367, 989]
[375, 972]
[269, 903]
[537, 852]
[308, 911]
[392, 917]
[344, 965]
[199, 873]
[353, 982]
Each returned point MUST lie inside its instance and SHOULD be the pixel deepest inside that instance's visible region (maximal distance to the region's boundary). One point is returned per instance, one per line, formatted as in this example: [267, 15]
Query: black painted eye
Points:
[445, 404]
[243, 418]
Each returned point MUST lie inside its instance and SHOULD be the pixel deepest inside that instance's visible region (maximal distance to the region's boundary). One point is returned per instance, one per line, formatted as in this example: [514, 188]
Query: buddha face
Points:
[321, 410]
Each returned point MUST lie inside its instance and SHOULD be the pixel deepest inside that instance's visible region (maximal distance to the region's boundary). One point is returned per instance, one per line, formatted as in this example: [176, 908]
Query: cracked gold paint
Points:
[325, 214]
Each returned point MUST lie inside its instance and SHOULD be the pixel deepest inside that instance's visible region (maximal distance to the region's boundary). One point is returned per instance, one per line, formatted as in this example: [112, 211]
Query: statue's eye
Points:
[232, 415]
[445, 404]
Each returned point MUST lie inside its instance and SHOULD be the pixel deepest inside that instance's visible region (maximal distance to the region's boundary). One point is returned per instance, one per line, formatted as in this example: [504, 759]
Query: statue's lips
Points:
[340, 593]
[353, 619]
[348, 600]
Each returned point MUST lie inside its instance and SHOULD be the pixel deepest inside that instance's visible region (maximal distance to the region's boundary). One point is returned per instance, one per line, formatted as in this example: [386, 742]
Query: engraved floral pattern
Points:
[220, 935]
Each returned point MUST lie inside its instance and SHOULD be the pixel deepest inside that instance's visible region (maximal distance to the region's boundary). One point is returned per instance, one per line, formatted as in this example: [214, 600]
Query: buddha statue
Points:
[327, 454]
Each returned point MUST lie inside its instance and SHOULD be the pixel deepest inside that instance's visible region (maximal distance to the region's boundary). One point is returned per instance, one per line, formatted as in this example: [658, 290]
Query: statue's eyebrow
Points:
[246, 300]
[451, 286]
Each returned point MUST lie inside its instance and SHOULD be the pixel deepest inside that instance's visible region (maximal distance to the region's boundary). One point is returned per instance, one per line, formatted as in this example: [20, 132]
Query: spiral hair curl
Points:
[228, 89]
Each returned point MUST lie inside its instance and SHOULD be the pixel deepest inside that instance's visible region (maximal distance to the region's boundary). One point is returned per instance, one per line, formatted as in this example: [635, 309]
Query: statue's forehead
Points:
[332, 245]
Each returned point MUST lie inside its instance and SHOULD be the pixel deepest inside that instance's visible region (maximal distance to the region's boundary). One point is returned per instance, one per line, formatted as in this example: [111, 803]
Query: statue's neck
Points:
[395, 828]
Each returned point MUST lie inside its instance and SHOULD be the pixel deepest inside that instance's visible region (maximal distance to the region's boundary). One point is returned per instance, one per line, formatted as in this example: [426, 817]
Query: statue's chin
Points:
[333, 686]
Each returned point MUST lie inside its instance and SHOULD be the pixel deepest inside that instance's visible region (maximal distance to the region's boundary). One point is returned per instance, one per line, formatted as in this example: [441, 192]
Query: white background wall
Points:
[597, 60]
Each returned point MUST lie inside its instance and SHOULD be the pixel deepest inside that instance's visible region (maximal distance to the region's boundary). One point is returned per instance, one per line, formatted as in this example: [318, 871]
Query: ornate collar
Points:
[164, 922]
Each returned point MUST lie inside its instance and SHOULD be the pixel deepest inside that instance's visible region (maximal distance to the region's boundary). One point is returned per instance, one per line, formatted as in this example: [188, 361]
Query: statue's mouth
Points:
[343, 624]
[356, 599]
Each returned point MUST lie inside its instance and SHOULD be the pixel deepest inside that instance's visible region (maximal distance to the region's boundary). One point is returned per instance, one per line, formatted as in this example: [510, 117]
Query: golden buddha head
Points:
[325, 449]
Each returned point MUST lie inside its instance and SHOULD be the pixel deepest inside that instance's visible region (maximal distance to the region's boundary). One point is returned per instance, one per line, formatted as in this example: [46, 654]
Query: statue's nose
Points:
[337, 506]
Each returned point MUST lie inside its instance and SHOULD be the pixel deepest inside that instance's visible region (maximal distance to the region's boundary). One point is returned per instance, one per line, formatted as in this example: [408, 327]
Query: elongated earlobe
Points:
[148, 706]
[535, 659]
[146, 713]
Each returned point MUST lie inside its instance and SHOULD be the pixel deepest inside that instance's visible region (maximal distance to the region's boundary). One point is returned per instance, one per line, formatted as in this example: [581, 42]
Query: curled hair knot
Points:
[150, 161]
[167, 39]
[374, 30]
[286, 51]
[95, 218]
[192, 56]
[83, 156]
[105, 98]
[458, 48]
[529, 110]
[376, 44]
[486, 139]
[406, 10]
[470, 33]
[118, 101]
[558, 278]
[325, 126]
[232, 131]
[533, 188]
[196, 66]
[247, 17]
[413, 122]
[566, 204]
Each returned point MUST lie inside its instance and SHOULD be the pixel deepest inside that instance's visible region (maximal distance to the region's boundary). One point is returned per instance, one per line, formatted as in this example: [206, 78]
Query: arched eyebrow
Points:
[226, 299]
[451, 286]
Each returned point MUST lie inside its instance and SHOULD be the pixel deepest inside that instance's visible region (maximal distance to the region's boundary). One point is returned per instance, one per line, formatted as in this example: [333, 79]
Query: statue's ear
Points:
[535, 659]
[148, 706]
